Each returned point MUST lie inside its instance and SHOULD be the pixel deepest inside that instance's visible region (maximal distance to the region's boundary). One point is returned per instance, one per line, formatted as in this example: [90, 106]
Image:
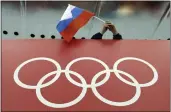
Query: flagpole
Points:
[99, 19]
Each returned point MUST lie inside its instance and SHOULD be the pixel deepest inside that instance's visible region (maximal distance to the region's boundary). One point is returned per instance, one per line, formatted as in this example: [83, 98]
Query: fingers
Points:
[109, 24]
[106, 26]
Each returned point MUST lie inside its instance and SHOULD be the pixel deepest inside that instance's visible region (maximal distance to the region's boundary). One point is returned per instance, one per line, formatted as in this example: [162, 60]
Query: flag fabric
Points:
[72, 20]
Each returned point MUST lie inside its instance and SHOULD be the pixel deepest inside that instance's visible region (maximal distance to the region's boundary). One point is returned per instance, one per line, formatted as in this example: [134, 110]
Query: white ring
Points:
[109, 102]
[64, 105]
[17, 80]
[155, 78]
[88, 85]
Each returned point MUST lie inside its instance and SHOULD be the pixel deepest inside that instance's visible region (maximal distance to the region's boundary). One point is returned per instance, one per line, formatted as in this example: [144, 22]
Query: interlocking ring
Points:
[17, 80]
[93, 85]
[88, 85]
[64, 105]
[130, 83]
[134, 99]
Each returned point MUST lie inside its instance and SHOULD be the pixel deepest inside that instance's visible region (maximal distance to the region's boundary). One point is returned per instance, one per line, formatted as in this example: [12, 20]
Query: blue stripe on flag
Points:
[64, 23]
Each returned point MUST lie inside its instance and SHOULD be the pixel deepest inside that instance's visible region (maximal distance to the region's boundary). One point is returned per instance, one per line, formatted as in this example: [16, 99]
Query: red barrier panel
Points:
[126, 83]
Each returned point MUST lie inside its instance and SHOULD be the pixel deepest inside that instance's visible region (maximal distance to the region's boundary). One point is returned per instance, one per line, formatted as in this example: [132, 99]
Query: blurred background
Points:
[133, 19]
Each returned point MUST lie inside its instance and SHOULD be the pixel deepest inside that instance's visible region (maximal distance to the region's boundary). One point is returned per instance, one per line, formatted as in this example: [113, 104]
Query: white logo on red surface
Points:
[83, 83]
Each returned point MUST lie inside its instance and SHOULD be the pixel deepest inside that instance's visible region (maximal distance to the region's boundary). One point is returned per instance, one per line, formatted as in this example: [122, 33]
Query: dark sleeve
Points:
[97, 36]
[117, 36]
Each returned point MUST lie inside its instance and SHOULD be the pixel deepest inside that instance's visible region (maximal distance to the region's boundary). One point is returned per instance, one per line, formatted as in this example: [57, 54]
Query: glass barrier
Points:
[132, 19]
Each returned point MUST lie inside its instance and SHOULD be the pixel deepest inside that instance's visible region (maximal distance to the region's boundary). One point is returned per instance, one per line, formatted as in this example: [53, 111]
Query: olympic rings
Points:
[93, 85]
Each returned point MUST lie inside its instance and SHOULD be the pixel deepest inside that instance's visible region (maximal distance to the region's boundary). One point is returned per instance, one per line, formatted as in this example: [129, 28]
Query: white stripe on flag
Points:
[67, 14]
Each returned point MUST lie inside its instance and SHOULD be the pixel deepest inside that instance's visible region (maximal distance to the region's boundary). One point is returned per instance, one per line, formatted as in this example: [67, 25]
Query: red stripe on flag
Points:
[75, 25]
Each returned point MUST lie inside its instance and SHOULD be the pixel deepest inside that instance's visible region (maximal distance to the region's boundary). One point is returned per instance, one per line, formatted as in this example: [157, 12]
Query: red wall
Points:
[153, 98]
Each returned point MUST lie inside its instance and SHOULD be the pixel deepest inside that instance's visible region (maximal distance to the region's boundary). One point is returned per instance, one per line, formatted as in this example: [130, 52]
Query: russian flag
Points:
[72, 20]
